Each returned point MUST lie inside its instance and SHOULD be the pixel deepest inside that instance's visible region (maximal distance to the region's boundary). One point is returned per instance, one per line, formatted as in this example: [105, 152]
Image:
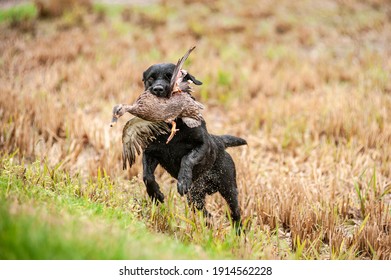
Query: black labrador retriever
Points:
[194, 157]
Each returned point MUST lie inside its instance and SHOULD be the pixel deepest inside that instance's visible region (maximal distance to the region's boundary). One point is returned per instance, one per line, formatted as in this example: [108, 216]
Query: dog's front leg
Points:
[153, 189]
[185, 176]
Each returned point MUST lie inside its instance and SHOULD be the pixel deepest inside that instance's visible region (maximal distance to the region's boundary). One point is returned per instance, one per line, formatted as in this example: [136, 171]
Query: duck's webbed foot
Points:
[173, 131]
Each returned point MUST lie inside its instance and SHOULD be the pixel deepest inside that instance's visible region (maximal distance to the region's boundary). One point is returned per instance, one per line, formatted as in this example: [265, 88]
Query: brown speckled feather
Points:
[152, 108]
[137, 135]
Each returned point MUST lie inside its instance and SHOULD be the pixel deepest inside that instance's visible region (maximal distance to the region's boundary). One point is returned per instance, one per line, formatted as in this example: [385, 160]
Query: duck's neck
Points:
[129, 108]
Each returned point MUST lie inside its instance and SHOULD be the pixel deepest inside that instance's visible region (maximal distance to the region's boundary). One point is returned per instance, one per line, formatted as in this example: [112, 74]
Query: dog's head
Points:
[157, 78]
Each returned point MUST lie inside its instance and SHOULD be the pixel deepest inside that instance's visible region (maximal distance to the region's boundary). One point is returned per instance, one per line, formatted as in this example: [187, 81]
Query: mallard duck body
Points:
[180, 105]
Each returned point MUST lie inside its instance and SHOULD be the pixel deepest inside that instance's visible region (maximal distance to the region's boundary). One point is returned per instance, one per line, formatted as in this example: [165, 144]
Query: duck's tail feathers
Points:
[178, 68]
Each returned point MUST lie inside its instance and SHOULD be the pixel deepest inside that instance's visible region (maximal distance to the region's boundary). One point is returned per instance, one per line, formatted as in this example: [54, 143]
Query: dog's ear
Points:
[145, 74]
[145, 77]
[193, 79]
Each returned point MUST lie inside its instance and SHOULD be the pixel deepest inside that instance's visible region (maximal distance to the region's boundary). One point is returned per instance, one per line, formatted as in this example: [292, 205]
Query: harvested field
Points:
[306, 83]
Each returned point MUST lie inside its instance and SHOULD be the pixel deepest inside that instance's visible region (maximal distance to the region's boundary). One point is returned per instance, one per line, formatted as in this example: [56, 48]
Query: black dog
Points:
[194, 157]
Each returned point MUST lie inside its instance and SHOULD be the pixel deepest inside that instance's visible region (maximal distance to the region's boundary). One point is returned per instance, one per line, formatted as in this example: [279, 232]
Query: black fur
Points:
[157, 78]
[194, 157]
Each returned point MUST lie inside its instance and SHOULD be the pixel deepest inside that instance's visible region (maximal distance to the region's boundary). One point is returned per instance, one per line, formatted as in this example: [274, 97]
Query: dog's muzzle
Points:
[158, 90]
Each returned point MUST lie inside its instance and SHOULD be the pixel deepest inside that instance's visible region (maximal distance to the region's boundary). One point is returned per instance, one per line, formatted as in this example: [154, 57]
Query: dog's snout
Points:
[158, 90]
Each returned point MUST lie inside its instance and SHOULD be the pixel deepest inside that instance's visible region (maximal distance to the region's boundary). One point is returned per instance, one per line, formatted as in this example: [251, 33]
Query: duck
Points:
[179, 104]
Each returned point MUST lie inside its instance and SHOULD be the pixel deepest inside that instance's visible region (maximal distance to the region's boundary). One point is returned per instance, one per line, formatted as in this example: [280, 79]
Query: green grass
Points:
[42, 216]
[109, 10]
[47, 214]
[18, 13]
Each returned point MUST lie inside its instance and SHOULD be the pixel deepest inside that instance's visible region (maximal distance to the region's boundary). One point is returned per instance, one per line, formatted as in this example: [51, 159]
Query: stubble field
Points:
[306, 83]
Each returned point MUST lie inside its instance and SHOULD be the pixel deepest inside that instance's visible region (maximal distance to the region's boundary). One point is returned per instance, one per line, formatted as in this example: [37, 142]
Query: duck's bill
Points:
[113, 121]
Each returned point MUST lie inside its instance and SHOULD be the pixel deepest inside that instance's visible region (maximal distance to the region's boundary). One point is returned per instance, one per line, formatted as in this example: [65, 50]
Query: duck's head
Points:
[118, 111]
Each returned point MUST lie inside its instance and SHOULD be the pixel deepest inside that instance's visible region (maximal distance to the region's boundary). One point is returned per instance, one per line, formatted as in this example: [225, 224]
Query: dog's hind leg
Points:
[153, 189]
[230, 194]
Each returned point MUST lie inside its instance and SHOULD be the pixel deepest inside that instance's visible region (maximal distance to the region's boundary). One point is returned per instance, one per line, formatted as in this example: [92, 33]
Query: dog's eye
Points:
[169, 76]
[150, 79]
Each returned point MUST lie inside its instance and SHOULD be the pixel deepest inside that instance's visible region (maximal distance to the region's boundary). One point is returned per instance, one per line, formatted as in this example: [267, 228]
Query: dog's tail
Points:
[232, 141]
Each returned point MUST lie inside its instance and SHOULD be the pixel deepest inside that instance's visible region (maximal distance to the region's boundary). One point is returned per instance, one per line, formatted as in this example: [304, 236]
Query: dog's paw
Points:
[183, 187]
[157, 197]
[160, 197]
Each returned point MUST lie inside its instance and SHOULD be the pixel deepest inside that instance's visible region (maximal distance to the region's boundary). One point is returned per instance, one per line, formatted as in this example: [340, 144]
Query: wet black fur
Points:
[194, 157]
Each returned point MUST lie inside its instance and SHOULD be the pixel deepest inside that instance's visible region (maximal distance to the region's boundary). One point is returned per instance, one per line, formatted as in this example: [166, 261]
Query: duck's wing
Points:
[196, 118]
[185, 86]
[192, 122]
[137, 135]
[176, 74]
[198, 104]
